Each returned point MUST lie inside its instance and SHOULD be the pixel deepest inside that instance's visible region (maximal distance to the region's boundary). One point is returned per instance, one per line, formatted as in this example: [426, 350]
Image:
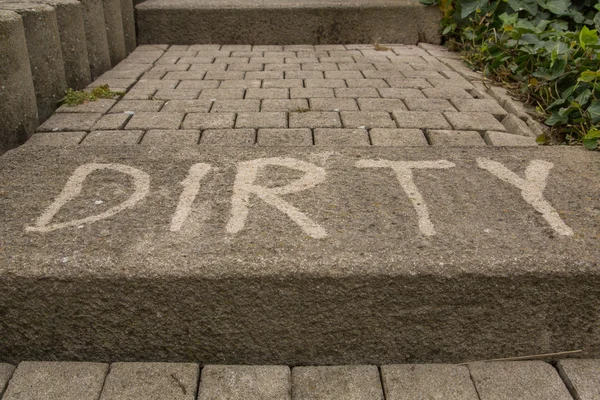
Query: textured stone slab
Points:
[6, 371]
[474, 121]
[60, 139]
[195, 283]
[171, 138]
[332, 383]
[433, 381]
[238, 382]
[151, 381]
[228, 137]
[507, 139]
[160, 120]
[525, 380]
[284, 137]
[582, 377]
[113, 138]
[455, 138]
[70, 122]
[398, 137]
[314, 119]
[341, 137]
[54, 381]
[420, 120]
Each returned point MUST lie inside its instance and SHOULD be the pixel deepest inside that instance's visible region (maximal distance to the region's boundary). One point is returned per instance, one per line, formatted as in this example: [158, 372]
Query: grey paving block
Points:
[179, 137]
[151, 381]
[480, 105]
[284, 137]
[429, 105]
[228, 137]
[314, 119]
[507, 139]
[224, 106]
[284, 104]
[356, 92]
[428, 381]
[446, 93]
[366, 83]
[476, 121]
[397, 137]
[208, 121]
[367, 119]
[401, 93]
[325, 83]
[225, 382]
[156, 84]
[341, 137]
[311, 93]
[405, 83]
[523, 380]
[98, 106]
[134, 106]
[361, 382]
[156, 120]
[56, 139]
[261, 120]
[222, 94]
[455, 138]
[113, 138]
[242, 83]
[267, 94]
[56, 381]
[421, 120]
[303, 75]
[388, 105]
[267, 74]
[282, 83]
[70, 122]
[327, 104]
[6, 372]
[517, 126]
[196, 84]
[177, 94]
[582, 377]
[111, 122]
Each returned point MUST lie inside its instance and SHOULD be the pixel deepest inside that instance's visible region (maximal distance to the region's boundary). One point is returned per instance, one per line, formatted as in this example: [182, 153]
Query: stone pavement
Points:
[570, 379]
[302, 95]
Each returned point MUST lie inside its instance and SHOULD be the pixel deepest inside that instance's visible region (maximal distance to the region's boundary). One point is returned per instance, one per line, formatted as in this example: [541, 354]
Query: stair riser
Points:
[406, 24]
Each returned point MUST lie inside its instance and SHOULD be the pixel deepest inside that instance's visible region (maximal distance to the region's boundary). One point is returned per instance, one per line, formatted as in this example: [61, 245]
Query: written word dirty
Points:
[531, 188]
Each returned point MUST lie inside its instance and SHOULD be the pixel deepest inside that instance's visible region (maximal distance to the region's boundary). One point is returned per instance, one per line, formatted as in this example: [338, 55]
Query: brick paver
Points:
[399, 97]
[522, 380]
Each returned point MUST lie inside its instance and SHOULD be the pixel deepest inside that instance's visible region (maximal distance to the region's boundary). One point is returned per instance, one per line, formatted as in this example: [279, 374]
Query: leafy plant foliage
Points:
[547, 51]
[75, 97]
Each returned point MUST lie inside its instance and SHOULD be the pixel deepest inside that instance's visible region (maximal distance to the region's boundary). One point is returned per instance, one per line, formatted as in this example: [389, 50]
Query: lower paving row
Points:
[349, 95]
[525, 380]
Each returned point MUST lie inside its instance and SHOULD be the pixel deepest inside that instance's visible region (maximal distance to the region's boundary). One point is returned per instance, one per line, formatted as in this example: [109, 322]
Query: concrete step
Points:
[211, 215]
[567, 379]
[286, 21]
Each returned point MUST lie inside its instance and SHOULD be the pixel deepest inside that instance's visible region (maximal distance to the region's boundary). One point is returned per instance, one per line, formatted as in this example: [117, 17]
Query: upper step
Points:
[286, 22]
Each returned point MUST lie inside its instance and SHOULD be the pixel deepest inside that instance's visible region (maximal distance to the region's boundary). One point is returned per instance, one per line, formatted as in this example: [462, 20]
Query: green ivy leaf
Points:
[469, 7]
[556, 118]
[583, 97]
[597, 20]
[558, 7]
[588, 76]
[590, 140]
[587, 37]
[594, 111]
[527, 5]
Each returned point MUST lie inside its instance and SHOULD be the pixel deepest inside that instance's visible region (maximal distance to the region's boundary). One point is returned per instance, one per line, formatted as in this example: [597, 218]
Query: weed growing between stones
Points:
[76, 97]
[547, 52]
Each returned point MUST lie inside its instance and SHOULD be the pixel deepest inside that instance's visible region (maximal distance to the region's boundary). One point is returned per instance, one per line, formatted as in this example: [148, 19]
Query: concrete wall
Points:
[47, 46]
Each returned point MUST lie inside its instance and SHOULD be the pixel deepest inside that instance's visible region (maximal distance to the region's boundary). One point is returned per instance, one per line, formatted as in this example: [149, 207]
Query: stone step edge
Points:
[565, 379]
